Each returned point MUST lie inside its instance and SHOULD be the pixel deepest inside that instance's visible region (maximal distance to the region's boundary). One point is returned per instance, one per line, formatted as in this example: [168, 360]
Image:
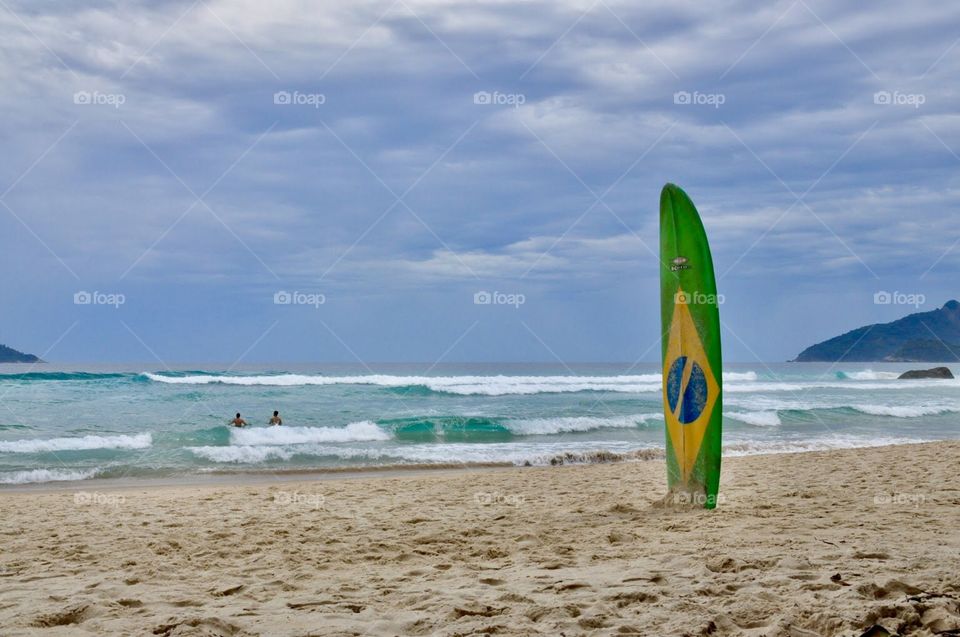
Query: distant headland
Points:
[10, 355]
[932, 336]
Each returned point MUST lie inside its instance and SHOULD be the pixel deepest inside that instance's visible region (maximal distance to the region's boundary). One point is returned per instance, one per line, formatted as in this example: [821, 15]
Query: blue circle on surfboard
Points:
[695, 394]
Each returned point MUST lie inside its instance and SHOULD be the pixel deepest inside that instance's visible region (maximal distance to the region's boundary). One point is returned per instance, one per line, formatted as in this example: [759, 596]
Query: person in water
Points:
[276, 419]
[238, 421]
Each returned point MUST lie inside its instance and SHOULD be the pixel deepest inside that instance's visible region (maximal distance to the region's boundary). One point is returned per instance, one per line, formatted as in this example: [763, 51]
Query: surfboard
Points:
[692, 369]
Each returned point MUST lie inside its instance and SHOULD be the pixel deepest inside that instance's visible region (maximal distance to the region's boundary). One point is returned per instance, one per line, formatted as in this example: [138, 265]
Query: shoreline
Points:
[253, 478]
[227, 477]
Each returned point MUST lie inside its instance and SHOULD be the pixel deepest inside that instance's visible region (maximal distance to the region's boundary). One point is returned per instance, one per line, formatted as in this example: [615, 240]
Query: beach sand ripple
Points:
[816, 544]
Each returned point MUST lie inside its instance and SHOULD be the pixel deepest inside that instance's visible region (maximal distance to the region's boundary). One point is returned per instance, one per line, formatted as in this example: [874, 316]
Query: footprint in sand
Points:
[207, 626]
[884, 591]
[492, 581]
[130, 603]
[233, 590]
[67, 617]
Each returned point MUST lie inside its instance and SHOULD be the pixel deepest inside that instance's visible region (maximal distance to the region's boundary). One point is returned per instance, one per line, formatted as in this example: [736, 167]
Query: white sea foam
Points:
[775, 404]
[463, 385]
[83, 443]
[869, 374]
[734, 382]
[546, 426]
[756, 418]
[364, 431]
[45, 475]
[905, 411]
[796, 385]
[516, 453]
[242, 454]
[817, 444]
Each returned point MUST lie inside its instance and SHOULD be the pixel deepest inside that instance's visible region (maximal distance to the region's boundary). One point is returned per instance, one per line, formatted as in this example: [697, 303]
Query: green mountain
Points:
[10, 355]
[922, 337]
[927, 351]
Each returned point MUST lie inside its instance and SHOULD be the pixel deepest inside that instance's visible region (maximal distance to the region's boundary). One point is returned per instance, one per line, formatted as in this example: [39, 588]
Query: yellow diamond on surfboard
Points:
[690, 388]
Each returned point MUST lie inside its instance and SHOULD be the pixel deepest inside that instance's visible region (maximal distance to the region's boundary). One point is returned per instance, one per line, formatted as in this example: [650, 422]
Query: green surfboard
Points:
[692, 369]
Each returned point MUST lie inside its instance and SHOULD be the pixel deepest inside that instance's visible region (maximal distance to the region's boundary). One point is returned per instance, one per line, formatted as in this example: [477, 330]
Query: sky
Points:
[298, 181]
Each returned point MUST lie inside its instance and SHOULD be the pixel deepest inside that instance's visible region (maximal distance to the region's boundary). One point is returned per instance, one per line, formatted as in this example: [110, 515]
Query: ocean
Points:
[74, 423]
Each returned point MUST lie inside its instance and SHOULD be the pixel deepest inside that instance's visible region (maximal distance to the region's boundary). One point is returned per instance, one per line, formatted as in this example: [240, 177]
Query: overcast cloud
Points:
[399, 157]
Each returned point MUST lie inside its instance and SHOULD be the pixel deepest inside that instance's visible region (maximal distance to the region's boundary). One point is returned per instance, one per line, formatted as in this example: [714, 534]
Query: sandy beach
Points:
[825, 543]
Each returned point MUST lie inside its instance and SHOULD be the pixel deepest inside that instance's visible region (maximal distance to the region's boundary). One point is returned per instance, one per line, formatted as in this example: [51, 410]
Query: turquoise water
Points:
[85, 422]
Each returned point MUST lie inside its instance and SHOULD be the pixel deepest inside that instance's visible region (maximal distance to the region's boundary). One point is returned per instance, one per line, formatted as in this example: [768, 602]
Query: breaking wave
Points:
[460, 385]
[365, 431]
[84, 443]
[905, 411]
[756, 418]
[45, 475]
[868, 374]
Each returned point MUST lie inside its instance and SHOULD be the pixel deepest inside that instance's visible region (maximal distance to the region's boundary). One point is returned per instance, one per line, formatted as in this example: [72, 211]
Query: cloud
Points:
[555, 187]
